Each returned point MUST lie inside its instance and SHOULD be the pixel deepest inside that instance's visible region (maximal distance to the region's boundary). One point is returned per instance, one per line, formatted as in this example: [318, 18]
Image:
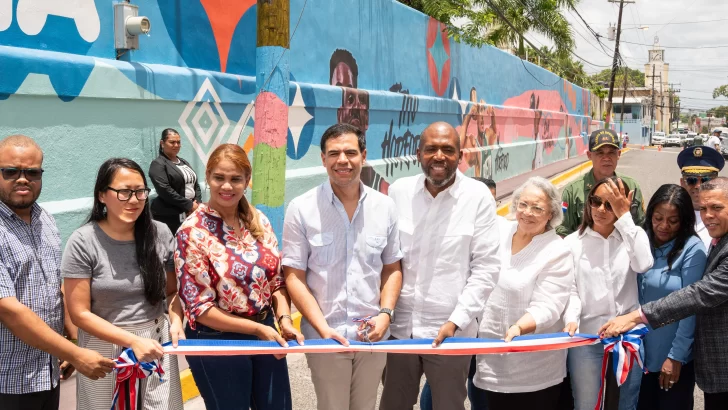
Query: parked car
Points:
[689, 140]
[672, 140]
[658, 138]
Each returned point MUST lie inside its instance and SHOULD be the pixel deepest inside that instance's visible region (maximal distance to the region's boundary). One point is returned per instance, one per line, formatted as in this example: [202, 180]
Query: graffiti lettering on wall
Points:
[406, 144]
[394, 146]
[501, 160]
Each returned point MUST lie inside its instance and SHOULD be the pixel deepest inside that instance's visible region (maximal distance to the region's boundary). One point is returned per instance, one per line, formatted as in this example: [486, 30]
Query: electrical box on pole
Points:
[611, 32]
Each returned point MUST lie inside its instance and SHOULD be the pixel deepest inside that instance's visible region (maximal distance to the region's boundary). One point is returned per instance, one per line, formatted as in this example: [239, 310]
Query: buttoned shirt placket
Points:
[350, 242]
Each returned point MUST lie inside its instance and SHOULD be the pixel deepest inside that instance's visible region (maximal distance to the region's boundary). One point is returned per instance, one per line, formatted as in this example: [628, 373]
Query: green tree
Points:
[635, 78]
[721, 91]
[484, 25]
[704, 129]
[719, 112]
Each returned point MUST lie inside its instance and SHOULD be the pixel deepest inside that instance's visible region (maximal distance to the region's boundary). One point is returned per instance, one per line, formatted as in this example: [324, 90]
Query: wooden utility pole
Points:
[614, 61]
[624, 96]
[652, 115]
[271, 109]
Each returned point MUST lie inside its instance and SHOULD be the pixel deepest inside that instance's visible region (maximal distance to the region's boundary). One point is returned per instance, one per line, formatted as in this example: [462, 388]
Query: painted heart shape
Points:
[224, 16]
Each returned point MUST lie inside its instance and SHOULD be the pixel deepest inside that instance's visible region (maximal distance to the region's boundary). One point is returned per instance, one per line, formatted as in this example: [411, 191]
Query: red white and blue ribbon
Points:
[454, 346]
[625, 351]
[128, 371]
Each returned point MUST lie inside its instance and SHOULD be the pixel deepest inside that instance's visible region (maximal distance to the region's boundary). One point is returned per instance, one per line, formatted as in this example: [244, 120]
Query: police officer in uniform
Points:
[604, 152]
[699, 165]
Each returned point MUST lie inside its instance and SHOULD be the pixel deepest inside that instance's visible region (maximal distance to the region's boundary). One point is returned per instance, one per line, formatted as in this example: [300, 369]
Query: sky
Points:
[698, 71]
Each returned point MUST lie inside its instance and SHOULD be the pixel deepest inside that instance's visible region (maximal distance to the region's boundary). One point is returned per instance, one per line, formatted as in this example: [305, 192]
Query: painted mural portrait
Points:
[476, 141]
[344, 73]
[354, 110]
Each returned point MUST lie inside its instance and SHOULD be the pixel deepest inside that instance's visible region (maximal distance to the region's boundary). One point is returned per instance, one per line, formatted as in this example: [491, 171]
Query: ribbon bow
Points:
[128, 371]
[625, 349]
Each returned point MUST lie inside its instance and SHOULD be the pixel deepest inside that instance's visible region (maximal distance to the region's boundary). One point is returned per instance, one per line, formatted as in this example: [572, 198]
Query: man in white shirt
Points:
[341, 261]
[450, 243]
[699, 165]
[714, 141]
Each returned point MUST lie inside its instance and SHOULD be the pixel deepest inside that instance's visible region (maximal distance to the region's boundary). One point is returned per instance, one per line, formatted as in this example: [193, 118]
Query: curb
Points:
[189, 388]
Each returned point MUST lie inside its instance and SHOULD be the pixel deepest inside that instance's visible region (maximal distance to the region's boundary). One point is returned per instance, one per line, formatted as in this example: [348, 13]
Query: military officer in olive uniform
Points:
[604, 152]
[699, 165]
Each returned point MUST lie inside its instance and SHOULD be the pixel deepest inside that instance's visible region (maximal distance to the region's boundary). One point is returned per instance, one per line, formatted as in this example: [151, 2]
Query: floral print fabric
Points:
[217, 266]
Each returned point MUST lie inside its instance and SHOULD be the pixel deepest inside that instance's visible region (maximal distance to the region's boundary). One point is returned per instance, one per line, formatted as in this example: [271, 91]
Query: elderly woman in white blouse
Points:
[532, 291]
[609, 251]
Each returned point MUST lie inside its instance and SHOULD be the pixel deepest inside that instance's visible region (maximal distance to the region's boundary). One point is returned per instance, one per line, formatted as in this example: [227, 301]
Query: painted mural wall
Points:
[376, 64]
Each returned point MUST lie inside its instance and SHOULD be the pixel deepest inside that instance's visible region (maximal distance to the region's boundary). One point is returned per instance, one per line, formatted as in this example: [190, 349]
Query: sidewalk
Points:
[557, 173]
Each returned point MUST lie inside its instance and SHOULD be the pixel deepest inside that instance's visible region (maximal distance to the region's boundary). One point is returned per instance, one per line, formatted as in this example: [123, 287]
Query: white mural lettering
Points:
[32, 16]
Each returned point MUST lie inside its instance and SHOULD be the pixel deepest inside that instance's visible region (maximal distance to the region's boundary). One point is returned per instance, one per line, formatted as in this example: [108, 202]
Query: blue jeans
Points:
[258, 382]
[475, 395]
[585, 368]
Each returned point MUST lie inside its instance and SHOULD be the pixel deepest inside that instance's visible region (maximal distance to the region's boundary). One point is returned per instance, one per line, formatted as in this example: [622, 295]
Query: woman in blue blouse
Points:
[680, 259]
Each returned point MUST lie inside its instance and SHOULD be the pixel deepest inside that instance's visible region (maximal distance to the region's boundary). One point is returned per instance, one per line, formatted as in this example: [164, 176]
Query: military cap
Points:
[700, 160]
[602, 137]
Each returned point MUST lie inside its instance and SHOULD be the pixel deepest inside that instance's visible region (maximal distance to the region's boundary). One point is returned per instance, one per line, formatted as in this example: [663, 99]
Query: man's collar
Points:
[330, 195]
[454, 190]
[6, 212]
[590, 181]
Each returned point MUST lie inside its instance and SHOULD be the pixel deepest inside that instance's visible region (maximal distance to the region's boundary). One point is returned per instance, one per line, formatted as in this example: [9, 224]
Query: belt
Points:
[260, 317]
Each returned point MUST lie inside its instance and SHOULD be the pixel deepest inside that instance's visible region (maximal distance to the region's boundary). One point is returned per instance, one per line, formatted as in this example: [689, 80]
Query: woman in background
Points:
[178, 191]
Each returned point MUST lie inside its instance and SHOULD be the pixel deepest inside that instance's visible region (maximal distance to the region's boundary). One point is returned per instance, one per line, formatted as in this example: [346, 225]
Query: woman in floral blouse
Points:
[231, 286]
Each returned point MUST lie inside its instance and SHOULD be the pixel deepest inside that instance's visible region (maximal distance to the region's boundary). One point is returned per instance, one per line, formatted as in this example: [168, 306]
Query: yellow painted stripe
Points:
[189, 388]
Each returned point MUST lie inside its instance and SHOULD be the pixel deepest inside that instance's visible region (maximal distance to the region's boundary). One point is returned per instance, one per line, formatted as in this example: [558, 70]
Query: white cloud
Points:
[696, 86]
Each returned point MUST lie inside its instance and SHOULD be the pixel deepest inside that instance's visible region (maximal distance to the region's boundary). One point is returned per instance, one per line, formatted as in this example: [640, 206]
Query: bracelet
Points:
[281, 317]
[520, 329]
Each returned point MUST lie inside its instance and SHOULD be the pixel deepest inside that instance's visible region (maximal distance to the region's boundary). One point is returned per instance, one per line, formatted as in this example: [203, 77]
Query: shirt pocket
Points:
[375, 247]
[453, 248]
[322, 248]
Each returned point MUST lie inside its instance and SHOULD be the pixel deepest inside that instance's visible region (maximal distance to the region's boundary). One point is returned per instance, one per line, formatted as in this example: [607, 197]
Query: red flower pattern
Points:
[228, 269]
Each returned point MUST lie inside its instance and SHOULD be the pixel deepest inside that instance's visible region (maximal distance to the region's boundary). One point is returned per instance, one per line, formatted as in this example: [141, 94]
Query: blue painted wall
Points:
[395, 72]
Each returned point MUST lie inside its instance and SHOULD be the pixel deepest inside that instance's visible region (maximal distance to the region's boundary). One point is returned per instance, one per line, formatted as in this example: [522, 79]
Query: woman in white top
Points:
[532, 291]
[609, 251]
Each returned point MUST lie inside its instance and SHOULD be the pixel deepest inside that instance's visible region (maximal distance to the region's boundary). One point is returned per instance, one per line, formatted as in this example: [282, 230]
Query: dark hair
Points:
[677, 196]
[145, 233]
[165, 134]
[344, 56]
[337, 130]
[587, 221]
[487, 181]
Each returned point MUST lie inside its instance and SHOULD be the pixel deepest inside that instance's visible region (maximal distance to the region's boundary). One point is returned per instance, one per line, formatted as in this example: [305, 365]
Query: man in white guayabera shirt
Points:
[449, 235]
[341, 260]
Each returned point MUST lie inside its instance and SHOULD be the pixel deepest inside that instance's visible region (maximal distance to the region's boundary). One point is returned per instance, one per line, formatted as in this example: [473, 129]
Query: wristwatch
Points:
[388, 312]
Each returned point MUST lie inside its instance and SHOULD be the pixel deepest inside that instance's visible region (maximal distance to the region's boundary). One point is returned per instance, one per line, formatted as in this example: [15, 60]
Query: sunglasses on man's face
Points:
[691, 181]
[31, 174]
[595, 202]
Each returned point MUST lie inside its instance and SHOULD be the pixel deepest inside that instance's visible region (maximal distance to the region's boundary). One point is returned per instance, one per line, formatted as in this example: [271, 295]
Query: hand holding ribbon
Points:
[625, 350]
[128, 371]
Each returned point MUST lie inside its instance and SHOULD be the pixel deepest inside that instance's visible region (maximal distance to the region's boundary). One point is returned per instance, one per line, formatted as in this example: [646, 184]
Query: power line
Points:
[680, 47]
[509, 24]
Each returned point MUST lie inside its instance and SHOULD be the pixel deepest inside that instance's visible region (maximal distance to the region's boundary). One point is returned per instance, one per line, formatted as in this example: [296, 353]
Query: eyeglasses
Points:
[694, 180]
[125, 194]
[535, 210]
[31, 174]
[595, 202]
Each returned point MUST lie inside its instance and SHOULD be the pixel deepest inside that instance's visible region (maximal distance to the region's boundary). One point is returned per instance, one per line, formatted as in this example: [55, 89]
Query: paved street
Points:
[651, 169]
